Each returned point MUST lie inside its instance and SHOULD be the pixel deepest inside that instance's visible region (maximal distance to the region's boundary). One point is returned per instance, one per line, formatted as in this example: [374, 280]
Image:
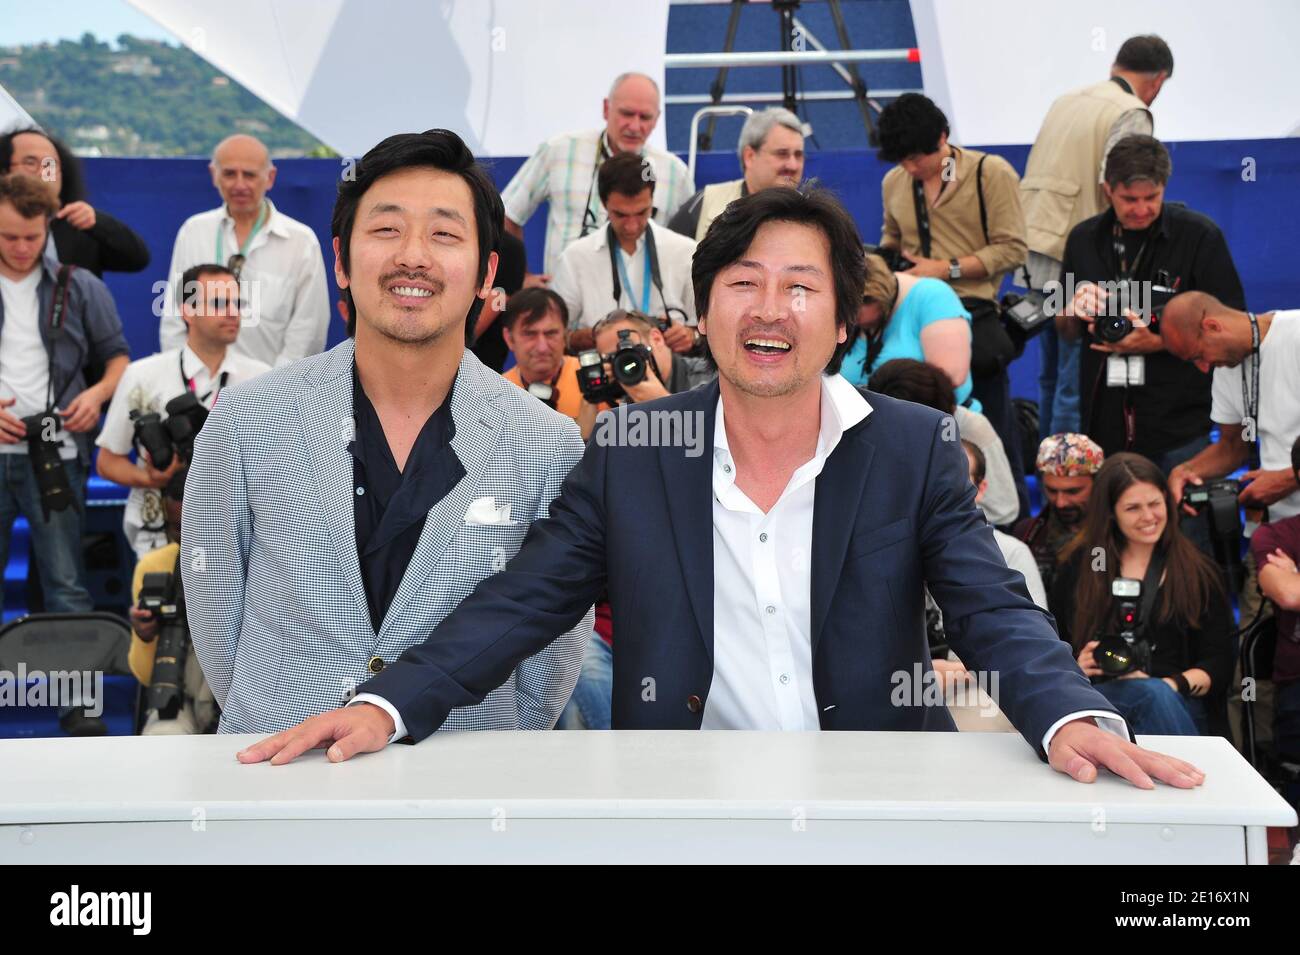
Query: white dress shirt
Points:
[147, 385]
[287, 308]
[584, 278]
[762, 580]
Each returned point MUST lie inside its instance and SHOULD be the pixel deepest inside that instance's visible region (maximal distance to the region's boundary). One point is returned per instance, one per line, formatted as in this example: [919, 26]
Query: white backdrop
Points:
[504, 74]
[996, 65]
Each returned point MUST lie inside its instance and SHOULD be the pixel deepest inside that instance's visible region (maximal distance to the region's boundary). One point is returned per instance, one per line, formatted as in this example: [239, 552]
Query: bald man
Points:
[278, 261]
[563, 171]
[1265, 407]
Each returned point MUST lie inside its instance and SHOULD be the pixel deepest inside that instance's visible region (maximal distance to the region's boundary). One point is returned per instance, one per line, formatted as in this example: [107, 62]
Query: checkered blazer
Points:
[273, 586]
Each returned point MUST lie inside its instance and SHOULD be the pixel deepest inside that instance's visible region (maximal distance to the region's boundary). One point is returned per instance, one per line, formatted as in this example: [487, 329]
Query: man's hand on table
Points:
[1080, 747]
[363, 728]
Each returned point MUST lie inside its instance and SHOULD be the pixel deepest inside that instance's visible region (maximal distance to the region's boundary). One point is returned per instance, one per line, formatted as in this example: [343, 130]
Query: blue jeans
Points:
[56, 544]
[1152, 707]
[589, 707]
[1065, 402]
[1047, 350]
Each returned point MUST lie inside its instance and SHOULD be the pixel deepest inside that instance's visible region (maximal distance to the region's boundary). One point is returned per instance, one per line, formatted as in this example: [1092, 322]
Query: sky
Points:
[23, 22]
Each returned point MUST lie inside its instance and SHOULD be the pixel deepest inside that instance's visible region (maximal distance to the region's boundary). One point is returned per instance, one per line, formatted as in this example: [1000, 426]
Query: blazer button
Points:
[693, 704]
[376, 664]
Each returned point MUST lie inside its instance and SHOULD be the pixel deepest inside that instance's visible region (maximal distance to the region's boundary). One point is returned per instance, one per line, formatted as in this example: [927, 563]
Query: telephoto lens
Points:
[43, 452]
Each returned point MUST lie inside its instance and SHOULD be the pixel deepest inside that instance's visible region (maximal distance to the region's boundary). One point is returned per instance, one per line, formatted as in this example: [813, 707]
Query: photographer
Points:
[533, 325]
[903, 316]
[954, 214]
[1174, 676]
[1135, 395]
[208, 301]
[631, 262]
[54, 321]
[660, 370]
[190, 707]
[1066, 464]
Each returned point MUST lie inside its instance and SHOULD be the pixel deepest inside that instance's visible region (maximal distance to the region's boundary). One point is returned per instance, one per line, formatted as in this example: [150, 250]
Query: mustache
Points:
[437, 284]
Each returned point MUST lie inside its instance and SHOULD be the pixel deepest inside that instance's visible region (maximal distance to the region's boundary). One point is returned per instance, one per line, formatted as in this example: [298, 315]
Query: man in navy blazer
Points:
[764, 541]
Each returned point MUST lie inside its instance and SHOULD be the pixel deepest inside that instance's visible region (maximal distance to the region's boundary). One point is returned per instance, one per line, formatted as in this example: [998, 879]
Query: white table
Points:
[637, 797]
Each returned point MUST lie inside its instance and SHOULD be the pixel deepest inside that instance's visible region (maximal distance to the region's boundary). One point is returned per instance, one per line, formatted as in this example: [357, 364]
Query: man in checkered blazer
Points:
[338, 508]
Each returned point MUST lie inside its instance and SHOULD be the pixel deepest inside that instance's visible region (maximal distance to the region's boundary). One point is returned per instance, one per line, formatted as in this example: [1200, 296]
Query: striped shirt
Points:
[563, 173]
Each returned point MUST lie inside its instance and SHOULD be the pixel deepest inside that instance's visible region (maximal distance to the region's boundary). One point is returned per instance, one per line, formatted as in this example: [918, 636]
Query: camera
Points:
[159, 594]
[543, 392]
[1218, 501]
[172, 436]
[893, 257]
[43, 452]
[629, 364]
[1109, 329]
[1127, 650]
[1027, 313]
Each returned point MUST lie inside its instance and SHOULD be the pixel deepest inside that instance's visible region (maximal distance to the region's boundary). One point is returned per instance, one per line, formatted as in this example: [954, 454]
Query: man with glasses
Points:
[277, 260]
[207, 299]
[630, 262]
[770, 153]
[563, 171]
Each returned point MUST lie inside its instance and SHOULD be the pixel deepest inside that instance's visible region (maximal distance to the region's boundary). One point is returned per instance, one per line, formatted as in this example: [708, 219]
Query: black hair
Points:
[191, 276]
[1295, 457]
[73, 188]
[1145, 54]
[434, 148]
[529, 304]
[910, 380]
[733, 231]
[627, 174]
[1138, 158]
[909, 125]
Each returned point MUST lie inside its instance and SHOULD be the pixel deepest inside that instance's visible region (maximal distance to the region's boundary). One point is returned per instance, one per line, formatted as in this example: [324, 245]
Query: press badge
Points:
[1126, 371]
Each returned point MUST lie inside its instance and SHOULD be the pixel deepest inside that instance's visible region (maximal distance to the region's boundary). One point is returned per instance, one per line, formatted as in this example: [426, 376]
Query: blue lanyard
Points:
[645, 281]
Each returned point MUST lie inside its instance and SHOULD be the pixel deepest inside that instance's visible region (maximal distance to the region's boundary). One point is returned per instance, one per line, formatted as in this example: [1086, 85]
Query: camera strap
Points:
[1150, 590]
[58, 312]
[1250, 391]
[189, 382]
[923, 212]
[617, 268]
[589, 217]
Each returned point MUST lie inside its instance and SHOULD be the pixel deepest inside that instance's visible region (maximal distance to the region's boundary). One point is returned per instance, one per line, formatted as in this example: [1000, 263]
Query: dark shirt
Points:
[1046, 537]
[1268, 538]
[686, 220]
[1173, 407]
[390, 506]
[490, 347]
[110, 245]
[1175, 648]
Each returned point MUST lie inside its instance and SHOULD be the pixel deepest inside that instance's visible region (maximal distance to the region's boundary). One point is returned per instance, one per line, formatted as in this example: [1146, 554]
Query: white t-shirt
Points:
[24, 362]
[1019, 557]
[147, 385]
[1279, 401]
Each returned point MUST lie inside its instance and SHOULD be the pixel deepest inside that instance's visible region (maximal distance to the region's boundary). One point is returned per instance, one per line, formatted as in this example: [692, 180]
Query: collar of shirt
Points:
[274, 224]
[842, 407]
[196, 370]
[603, 244]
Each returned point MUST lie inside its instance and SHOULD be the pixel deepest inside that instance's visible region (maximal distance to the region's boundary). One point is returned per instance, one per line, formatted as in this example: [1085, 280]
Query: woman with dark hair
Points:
[1131, 531]
[903, 316]
[83, 235]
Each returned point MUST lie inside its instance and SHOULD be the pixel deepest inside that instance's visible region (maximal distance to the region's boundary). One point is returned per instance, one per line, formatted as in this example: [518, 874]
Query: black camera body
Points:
[893, 257]
[1109, 329]
[1127, 649]
[159, 593]
[47, 464]
[1028, 313]
[1218, 501]
[629, 365]
[166, 438]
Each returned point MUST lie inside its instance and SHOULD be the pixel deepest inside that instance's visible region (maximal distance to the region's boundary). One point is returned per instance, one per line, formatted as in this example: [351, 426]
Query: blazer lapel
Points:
[326, 413]
[688, 485]
[478, 420]
[837, 500]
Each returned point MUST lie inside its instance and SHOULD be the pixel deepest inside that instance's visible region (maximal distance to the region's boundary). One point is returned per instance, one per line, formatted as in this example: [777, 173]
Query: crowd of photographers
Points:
[1157, 384]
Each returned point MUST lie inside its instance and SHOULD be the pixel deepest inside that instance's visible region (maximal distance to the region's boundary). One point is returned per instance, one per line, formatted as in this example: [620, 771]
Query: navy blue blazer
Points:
[894, 509]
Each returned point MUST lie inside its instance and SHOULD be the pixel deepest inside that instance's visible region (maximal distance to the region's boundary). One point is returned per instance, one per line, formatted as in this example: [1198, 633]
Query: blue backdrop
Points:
[1252, 189]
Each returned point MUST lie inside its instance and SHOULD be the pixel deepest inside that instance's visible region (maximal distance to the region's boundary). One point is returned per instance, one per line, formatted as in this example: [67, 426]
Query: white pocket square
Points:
[484, 510]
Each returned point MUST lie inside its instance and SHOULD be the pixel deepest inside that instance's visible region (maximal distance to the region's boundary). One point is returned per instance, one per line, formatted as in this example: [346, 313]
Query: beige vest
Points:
[716, 198]
[1060, 188]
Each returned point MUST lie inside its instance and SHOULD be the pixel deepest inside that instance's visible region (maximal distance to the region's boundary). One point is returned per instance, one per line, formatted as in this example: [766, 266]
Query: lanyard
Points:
[1121, 253]
[627, 282]
[1250, 391]
[189, 382]
[589, 217]
[243, 249]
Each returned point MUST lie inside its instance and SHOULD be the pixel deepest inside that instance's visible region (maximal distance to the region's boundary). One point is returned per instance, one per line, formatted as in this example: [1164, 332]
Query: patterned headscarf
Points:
[1069, 455]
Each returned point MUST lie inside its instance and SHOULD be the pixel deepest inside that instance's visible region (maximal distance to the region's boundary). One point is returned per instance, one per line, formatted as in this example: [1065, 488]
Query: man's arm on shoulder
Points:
[547, 589]
[545, 681]
[216, 532]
